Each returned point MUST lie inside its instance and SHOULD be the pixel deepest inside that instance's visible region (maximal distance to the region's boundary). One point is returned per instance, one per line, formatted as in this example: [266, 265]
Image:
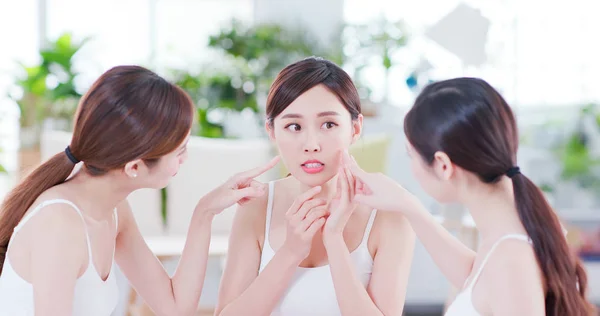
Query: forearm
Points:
[454, 259]
[261, 297]
[188, 279]
[352, 295]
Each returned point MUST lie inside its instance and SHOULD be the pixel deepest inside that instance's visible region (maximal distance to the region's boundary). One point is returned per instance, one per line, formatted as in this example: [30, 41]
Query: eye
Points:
[293, 127]
[328, 125]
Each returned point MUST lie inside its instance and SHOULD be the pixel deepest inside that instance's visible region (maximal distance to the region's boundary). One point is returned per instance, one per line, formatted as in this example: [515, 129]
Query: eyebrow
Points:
[326, 113]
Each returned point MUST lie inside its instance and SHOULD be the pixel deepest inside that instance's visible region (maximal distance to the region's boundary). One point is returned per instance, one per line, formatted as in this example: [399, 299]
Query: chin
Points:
[313, 180]
[161, 184]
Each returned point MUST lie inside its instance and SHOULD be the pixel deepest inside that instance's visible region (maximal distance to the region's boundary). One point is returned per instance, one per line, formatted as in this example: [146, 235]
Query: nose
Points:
[311, 144]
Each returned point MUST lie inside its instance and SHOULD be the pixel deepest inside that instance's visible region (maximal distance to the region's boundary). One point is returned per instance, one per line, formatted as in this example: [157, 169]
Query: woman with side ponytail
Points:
[60, 236]
[462, 139]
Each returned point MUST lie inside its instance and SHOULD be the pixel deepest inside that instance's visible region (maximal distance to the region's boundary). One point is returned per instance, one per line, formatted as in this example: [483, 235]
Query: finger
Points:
[351, 182]
[249, 192]
[253, 173]
[305, 208]
[354, 167]
[301, 199]
[346, 158]
[258, 185]
[314, 215]
[314, 227]
[344, 194]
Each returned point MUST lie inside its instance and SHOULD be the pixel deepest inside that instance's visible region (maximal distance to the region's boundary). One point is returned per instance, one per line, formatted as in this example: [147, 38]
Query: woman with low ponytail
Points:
[61, 236]
[462, 139]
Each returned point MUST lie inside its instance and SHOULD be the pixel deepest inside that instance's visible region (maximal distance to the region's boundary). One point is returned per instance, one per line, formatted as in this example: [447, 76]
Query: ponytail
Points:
[564, 276]
[19, 200]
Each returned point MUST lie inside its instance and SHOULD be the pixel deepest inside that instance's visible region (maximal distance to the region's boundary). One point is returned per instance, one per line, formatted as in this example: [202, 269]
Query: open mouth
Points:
[313, 166]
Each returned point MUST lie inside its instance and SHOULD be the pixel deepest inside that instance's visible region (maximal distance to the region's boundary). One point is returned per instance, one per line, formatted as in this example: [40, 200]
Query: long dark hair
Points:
[468, 119]
[129, 113]
[301, 76]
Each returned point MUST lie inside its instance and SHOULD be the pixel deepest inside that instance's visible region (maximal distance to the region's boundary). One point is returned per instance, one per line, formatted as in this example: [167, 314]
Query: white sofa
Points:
[210, 163]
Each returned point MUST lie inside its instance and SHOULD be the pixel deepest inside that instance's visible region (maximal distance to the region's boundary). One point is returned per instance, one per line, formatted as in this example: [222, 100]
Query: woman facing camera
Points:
[306, 248]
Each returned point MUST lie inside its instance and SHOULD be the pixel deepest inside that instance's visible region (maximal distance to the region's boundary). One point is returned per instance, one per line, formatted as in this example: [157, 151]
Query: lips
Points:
[313, 166]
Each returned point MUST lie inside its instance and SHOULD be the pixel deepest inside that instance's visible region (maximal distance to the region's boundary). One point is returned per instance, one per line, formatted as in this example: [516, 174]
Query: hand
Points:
[342, 206]
[238, 189]
[304, 218]
[379, 191]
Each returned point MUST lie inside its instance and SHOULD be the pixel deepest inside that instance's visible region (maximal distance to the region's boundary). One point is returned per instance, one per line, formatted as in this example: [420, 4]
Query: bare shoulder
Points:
[512, 268]
[250, 216]
[512, 279]
[513, 253]
[391, 228]
[57, 225]
[392, 225]
[254, 208]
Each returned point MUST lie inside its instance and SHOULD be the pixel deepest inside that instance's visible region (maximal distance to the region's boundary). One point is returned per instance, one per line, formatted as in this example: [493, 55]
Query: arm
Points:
[376, 190]
[391, 267]
[243, 291]
[54, 267]
[512, 281]
[454, 259]
[180, 294]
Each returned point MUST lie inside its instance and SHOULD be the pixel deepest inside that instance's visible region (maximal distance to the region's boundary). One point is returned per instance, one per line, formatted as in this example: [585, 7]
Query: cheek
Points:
[431, 184]
[171, 165]
[288, 146]
[426, 179]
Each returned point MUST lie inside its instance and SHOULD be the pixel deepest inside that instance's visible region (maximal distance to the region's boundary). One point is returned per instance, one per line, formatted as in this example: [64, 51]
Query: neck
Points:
[97, 195]
[493, 209]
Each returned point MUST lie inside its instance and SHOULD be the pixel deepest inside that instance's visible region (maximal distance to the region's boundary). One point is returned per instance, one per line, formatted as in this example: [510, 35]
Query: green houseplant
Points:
[252, 56]
[375, 43]
[578, 158]
[48, 88]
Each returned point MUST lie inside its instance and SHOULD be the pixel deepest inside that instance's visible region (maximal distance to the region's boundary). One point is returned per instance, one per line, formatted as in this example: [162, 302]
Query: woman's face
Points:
[312, 133]
[159, 175]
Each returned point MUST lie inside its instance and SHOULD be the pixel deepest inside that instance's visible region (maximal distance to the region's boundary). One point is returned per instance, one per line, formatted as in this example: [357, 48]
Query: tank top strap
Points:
[521, 237]
[369, 227]
[40, 206]
[116, 217]
[269, 210]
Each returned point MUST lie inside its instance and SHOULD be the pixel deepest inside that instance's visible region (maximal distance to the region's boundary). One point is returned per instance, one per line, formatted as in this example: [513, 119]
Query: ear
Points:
[357, 128]
[442, 165]
[270, 130]
[134, 168]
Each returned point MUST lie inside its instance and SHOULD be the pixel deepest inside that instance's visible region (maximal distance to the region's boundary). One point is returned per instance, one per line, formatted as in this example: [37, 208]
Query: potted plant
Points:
[47, 89]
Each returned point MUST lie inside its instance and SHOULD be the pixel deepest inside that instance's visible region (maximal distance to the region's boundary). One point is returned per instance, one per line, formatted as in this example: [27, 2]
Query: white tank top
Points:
[463, 303]
[311, 290]
[93, 296]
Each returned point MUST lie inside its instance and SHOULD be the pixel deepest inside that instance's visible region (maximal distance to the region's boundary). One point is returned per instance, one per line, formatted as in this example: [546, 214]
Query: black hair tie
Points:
[70, 155]
[513, 171]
